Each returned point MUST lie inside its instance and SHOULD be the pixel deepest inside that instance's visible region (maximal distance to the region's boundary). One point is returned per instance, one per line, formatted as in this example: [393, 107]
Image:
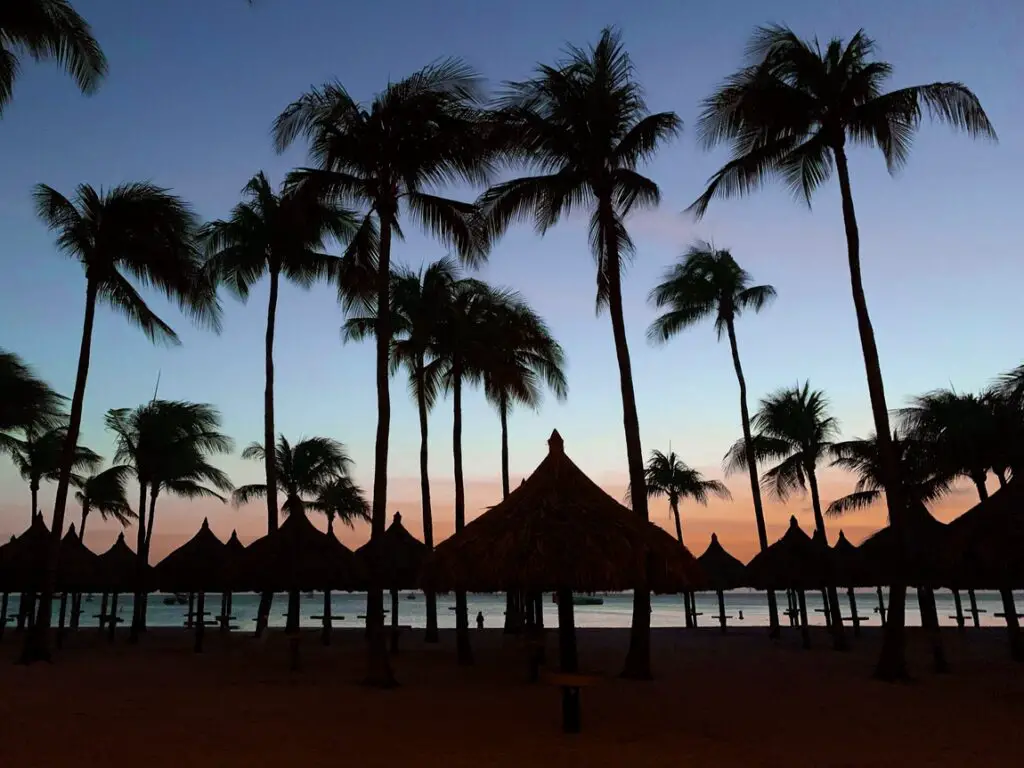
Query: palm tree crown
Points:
[340, 498]
[303, 471]
[795, 104]
[792, 426]
[105, 492]
[669, 476]
[48, 30]
[706, 282]
[27, 402]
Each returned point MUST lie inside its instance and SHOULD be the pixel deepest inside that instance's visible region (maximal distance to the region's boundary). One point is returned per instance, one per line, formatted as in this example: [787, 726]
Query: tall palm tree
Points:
[667, 475]
[166, 442]
[27, 402]
[523, 356]
[420, 132]
[341, 499]
[38, 458]
[275, 235]
[708, 282]
[583, 128]
[789, 113]
[105, 493]
[48, 30]
[417, 302]
[794, 428]
[462, 347]
[960, 430]
[136, 229]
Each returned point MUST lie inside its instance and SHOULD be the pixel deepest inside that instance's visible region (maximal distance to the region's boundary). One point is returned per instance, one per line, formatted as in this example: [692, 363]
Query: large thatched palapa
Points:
[196, 566]
[792, 562]
[396, 558]
[558, 530]
[722, 572]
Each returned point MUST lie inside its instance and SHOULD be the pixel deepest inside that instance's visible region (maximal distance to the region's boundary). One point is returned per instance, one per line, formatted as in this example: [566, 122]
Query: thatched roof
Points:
[396, 558]
[233, 546]
[988, 539]
[849, 567]
[25, 557]
[721, 570]
[78, 569]
[196, 566]
[792, 562]
[925, 560]
[297, 556]
[559, 530]
[118, 567]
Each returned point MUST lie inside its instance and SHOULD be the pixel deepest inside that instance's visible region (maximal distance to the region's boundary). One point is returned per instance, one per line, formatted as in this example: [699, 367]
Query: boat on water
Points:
[581, 599]
[178, 598]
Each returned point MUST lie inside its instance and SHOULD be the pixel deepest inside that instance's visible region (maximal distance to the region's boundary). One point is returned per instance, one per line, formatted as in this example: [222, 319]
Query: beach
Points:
[735, 700]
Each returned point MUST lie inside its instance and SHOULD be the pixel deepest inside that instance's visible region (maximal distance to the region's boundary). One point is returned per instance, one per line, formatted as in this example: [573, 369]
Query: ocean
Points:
[745, 607]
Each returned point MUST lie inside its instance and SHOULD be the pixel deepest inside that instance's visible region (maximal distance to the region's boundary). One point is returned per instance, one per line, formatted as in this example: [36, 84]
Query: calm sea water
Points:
[667, 610]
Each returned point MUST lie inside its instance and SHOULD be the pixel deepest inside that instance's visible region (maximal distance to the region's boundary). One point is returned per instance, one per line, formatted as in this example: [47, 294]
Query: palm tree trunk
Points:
[81, 530]
[979, 484]
[142, 587]
[755, 487]
[428, 518]
[688, 597]
[140, 548]
[463, 649]
[269, 441]
[34, 490]
[892, 663]
[513, 618]
[1012, 625]
[37, 641]
[638, 657]
[930, 625]
[379, 671]
[834, 612]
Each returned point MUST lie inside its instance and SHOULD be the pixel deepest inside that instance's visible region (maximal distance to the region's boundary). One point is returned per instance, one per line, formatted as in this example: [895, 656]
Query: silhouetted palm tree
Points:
[137, 229]
[420, 132]
[166, 442]
[583, 127]
[48, 30]
[792, 426]
[343, 500]
[417, 303]
[27, 402]
[709, 283]
[462, 347]
[105, 493]
[789, 114]
[275, 235]
[668, 475]
[38, 458]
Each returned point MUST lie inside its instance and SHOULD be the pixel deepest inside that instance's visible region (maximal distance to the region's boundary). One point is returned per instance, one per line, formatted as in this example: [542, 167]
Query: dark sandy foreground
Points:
[734, 700]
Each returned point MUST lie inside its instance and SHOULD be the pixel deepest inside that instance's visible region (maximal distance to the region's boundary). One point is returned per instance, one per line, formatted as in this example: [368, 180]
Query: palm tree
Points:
[341, 499]
[417, 302]
[789, 114]
[708, 282]
[960, 431]
[420, 132]
[48, 30]
[523, 356]
[583, 128]
[274, 235]
[141, 230]
[668, 475]
[27, 402]
[462, 347]
[166, 442]
[38, 458]
[793, 427]
[105, 493]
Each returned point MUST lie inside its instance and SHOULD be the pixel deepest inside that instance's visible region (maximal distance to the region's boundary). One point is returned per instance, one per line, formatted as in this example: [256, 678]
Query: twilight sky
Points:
[194, 86]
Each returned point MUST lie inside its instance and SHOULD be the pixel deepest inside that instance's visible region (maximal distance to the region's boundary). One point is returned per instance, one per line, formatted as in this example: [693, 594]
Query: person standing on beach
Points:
[479, 619]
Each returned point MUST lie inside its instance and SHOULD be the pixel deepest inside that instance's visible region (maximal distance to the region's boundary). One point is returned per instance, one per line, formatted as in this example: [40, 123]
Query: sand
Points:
[737, 700]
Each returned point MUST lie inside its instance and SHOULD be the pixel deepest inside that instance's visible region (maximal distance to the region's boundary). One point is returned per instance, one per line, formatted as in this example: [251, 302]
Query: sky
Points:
[192, 91]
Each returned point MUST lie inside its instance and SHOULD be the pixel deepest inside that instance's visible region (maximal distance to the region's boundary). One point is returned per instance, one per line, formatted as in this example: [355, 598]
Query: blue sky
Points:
[194, 86]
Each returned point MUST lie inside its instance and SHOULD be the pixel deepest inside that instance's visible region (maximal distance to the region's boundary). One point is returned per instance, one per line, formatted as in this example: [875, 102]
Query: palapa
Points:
[558, 530]
[198, 565]
[25, 558]
[925, 559]
[297, 557]
[721, 570]
[849, 566]
[78, 569]
[792, 562]
[396, 558]
[988, 540]
[118, 567]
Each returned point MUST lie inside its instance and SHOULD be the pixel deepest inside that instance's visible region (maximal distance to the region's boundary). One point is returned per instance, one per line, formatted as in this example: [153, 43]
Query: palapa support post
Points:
[1012, 624]
[854, 618]
[103, 611]
[394, 621]
[200, 621]
[3, 613]
[959, 606]
[538, 610]
[325, 631]
[61, 619]
[112, 617]
[881, 605]
[721, 609]
[191, 616]
[975, 612]
[794, 611]
[76, 609]
[805, 632]
[569, 662]
[826, 608]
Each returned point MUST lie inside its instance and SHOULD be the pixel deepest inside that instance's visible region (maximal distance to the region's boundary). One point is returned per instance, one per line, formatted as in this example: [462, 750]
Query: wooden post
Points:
[325, 632]
[854, 618]
[62, 618]
[958, 604]
[103, 611]
[881, 605]
[826, 608]
[112, 617]
[191, 617]
[200, 620]
[721, 609]
[394, 621]
[975, 613]
[538, 610]
[805, 633]
[3, 613]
